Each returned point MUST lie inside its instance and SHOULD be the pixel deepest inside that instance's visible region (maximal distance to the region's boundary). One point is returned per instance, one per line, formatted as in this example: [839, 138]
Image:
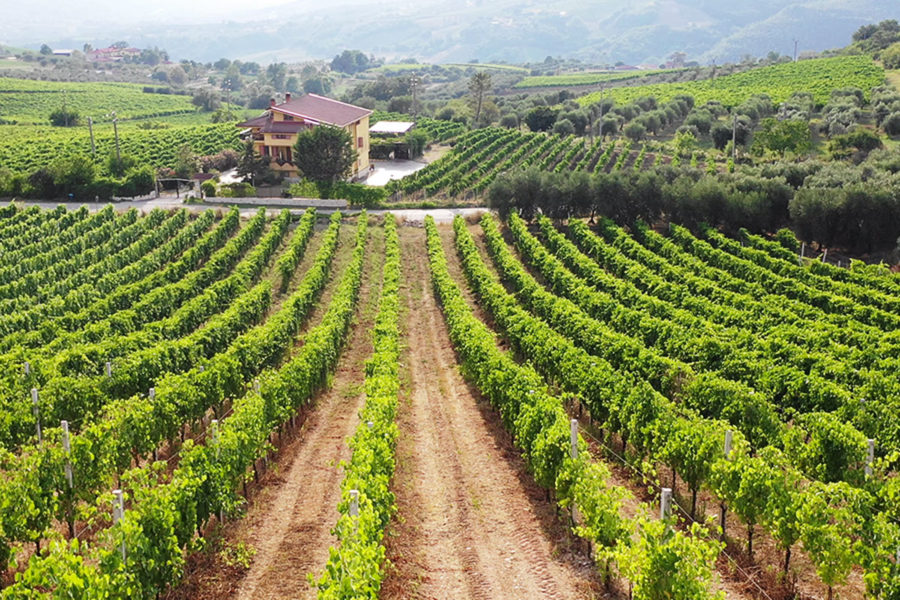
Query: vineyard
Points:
[479, 156]
[817, 76]
[30, 102]
[714, 416]
[26, 149]
[588, 78]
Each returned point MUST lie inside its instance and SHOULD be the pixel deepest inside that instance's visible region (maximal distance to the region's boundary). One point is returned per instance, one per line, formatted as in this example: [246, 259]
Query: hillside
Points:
[647, 31]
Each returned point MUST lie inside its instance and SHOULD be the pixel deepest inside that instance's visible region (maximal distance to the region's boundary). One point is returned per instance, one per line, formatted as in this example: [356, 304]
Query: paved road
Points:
[412, 215]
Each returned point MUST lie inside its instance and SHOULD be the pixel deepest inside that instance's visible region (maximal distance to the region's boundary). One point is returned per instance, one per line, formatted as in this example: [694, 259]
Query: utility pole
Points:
[115, 122]
[733, 136]
[414, 84]
[93, 146]
[796, 41]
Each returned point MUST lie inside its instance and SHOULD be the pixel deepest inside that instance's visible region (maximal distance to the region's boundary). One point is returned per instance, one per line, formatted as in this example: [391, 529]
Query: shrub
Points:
[209, 189]
[891, 124]
[635, 131]
[564, 127]
[64, 117]
[238, 190]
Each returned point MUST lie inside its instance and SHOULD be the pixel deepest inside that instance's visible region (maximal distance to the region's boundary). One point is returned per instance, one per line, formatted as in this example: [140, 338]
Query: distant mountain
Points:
[640, 31]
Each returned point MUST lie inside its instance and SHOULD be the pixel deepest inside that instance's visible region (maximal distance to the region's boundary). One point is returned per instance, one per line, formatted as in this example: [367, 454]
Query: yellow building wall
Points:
[357, 130]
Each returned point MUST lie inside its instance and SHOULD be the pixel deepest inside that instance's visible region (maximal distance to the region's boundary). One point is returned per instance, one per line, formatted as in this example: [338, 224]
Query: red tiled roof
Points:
[257, 122]
[323, 110]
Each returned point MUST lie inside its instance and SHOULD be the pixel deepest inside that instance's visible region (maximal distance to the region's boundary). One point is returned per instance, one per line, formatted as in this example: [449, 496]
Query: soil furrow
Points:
[472, 523]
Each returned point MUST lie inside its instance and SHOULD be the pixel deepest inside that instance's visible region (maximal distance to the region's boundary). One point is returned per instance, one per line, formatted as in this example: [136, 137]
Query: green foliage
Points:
[890, 56]
[324, 153]
[634, 131]
[208, 188]
[26, 149]
[666, 563]
[350, 61]
[540, 118]
[779, 82]
[874, 38]
[30, 101]
[64, 117]
[416, 140]
[163, 513]
[354, 570]
[576, 79]
[252, 165]
[357, 194]
[782, 137]
[832, 518]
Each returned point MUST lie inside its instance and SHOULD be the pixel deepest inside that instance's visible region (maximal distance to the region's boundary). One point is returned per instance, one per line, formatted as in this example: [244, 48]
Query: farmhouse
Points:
[275, 132]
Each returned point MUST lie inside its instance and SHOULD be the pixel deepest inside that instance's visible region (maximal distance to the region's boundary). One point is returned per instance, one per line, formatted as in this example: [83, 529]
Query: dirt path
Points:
[472, 523]
[292, 533]
[289, 521]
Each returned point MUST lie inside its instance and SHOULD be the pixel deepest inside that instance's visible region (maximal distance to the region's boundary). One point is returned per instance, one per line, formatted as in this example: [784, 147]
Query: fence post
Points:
[870, 457]
[665, 503]
[37, 414]
[108, 369]
[729, 435]
[118, 513]
[67, 448]
[354, 509]
[573, 438]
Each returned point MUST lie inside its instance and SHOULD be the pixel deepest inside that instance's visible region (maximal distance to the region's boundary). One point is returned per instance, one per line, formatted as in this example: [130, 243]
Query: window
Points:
[359, 142]
[288, 117]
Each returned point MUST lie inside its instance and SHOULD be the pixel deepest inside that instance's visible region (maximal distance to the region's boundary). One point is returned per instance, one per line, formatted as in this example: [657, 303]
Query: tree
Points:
[232, 80]
[317, 85]
[634, 131]
[416, 140]
[177, 75]
[891, 124]
[564, 127]
[206, 99]
[251, 165]
[685, 143]
[324, 153]
[781, 137]
[276, 73]
[479, 86]
[677, 59]
[509, 121]
[186, 162]
[46, 50]
[350, 61]
[540, 118]
[117, 167]
[64, 117]
[890, 56]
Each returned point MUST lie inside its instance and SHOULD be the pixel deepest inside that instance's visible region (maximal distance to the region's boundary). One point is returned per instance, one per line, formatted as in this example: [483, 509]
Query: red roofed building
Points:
[275, 132]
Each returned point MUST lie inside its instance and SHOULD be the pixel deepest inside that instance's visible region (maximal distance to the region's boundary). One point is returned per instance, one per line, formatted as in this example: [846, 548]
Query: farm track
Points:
[289, 519]
[471, 521]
